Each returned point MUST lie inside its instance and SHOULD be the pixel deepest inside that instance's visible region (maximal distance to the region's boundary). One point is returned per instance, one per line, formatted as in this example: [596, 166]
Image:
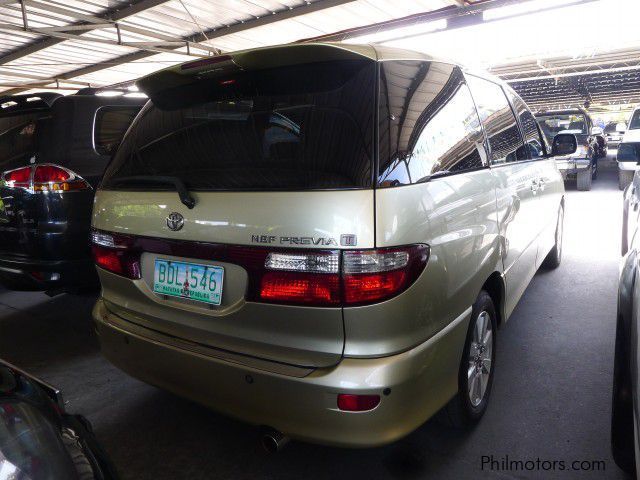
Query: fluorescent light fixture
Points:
[399, 33]
[521, 8]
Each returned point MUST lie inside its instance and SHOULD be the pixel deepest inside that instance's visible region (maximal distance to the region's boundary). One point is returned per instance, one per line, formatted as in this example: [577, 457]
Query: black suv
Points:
[581, 166]
[53, 152]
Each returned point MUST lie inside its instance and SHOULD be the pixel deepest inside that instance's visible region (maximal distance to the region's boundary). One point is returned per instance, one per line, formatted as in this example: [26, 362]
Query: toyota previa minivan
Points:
[323, 239]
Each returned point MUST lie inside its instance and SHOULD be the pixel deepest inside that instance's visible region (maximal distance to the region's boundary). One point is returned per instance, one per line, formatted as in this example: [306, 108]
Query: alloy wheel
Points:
[480, 358]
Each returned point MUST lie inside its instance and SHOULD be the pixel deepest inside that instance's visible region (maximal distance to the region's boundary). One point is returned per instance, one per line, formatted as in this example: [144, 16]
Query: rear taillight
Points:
[310, 278]
[116, 254]
[303, 288]
[341, 278]
[45, 178]
[319, 278]
[20, 177]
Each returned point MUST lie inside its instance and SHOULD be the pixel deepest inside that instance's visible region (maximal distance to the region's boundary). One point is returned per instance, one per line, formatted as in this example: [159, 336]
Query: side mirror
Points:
[564, 144]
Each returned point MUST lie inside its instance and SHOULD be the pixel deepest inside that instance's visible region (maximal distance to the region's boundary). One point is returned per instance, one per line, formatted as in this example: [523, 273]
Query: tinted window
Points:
[498, 120]
[111, 123]
[628, 152]
[428, 123]
[635, 120]
[532, 137]
[290, 128]
[19, 138]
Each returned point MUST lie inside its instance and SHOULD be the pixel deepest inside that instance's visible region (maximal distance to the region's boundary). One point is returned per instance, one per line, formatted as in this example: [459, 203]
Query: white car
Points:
[627, 155]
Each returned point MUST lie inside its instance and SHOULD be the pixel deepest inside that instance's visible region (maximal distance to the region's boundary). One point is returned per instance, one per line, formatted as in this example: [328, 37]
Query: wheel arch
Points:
[496, 288]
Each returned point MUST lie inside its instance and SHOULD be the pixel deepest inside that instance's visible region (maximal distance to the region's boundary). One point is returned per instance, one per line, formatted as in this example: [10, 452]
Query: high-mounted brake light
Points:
[205, 61]
[45, 178]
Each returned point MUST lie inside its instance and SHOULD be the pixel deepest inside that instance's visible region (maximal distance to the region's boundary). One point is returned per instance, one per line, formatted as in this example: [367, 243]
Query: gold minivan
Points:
[323, 239]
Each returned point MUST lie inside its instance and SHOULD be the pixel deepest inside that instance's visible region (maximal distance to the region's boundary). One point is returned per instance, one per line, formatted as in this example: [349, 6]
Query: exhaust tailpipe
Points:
[272, 440]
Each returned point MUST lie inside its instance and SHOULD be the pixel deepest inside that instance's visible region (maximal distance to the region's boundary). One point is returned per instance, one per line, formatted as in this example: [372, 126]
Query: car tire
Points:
[625, 177]
[583, 180]
[477, 366]
[622, 428]
[624, 246]
[554, 257]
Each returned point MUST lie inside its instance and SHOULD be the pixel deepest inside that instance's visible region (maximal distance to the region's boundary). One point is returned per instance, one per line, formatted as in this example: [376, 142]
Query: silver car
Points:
[323, 239]
[626, 375]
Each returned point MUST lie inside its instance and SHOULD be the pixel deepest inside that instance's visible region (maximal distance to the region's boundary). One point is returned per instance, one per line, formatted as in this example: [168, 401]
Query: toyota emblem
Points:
[175, 221]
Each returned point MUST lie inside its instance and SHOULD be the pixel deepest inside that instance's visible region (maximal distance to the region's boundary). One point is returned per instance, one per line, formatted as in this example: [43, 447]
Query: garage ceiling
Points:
[602, 81]
[101, 42]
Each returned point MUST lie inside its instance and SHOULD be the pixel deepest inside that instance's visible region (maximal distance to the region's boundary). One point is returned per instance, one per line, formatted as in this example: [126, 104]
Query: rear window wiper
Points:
[181, 188]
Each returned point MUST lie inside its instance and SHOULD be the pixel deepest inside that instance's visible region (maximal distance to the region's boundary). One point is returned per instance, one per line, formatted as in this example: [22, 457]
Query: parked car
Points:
[51, 163]
[266, 249]
[39, 440]
[628, 158]
[601, 146]
[614, 132]
[624, 418]
[632, 134]
[581, 166]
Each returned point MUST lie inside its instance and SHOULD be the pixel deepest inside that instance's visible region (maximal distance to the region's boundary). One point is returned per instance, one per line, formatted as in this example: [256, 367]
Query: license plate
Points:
[189, 280]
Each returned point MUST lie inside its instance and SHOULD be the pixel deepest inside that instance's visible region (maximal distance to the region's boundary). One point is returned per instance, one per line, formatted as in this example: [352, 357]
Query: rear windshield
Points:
[292, 128]
[19, 137]
[552, 125]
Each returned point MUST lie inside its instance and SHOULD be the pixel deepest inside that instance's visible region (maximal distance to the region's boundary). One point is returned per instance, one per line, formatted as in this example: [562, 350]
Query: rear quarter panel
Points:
[456, 217]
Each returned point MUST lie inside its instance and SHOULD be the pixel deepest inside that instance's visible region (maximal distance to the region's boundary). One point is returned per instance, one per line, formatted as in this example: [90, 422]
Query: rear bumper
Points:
[35, 274]
[629, 166]
[572, 166]
[420, 382]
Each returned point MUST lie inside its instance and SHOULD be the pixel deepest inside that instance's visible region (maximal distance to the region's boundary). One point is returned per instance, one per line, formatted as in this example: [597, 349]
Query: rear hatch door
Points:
[275, 158]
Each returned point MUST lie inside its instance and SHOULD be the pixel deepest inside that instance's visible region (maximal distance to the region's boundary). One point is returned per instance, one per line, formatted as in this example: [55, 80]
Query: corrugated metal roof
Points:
[174, 20]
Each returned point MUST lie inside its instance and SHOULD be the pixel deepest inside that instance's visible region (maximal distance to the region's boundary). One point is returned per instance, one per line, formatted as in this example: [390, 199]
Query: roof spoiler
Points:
[155, 84]
[28, 101]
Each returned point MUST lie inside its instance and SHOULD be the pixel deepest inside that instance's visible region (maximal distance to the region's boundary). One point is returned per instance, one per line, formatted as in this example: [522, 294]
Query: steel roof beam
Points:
[210, 34]
[149, 46]
[112, 15]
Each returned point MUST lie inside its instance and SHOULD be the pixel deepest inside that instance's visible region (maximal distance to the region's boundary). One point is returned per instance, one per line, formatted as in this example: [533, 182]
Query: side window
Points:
[530, 129]
[111, 124]
[498, 120]
[428, 123]
[20, 138]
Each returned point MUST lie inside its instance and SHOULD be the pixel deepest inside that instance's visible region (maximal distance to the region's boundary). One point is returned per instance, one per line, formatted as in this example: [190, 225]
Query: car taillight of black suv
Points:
[53, 152]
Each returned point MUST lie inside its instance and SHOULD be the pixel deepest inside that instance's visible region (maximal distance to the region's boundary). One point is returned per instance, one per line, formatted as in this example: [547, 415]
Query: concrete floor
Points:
[550, 399]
